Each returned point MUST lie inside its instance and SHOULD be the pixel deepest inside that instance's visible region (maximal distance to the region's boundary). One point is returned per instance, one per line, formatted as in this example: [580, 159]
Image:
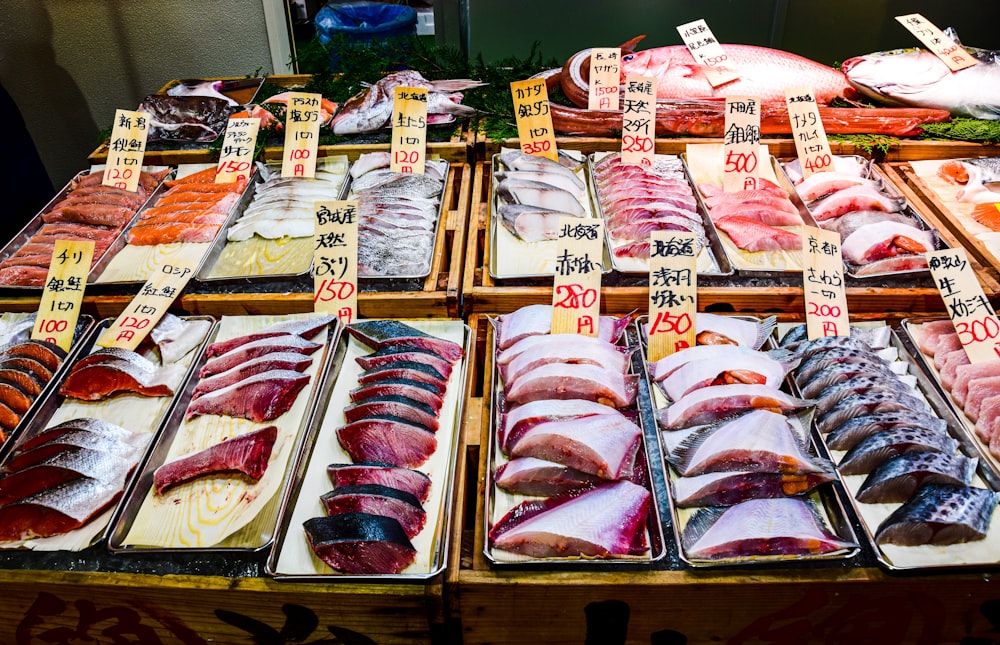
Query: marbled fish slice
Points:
[848, 434]
[868, 403]
[883, 446]
[898, 479]
[940, 514]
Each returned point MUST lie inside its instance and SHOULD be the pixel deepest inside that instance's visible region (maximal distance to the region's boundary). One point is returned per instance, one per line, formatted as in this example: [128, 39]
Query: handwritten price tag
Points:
[951, 54]
[823, 284]
[126, 149]
[639, 120]
[534, 123]
[974, 318]
[811, 145]
[335, 260]
[576, 294]
[301, 135]
[64, 285]
[605, 77]
[673, 292]
[741, 167]
[152, 301]
[238, 146]
[409, 130]
[708, 52]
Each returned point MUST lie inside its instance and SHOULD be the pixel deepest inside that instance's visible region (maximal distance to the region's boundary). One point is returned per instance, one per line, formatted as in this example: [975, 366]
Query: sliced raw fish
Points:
[840, 372]
[885, 239]
[575, 381]
[377, 499]
[600, 353]
[851, 432]
[305, 328]
[856, 198]
[940, 514]
[879, 448]
[823, 183]
[602, 445]
[391, 441]
[833, 395]
[965, 374]
[530, 223]
[94, 426]
[714, 354]
[261, 397]
[57, 510]
[412, 481]
[360, 543]
[760, 527]
[246, 454]
[534, 193]
[383, 333]
[395, 405]
[870, 402]
[102, 374]
[404, 370]
[517, 420]
[818, 362]
[898, 479]
[764, 214]
[848, 223]
[273, 361]
[29, 365]
[8, 420]
[750, 368]
[730, 488]
[175, 337]
[270, 229]
[805, 349]
[426, 393]
[897, 264]
[713, 329]
[517, 160]
[751, 235]
[255, 349]
[567, 182]
[539, 477]
[716, 402]
[605, 521]
[392, 354]
[14, 397]
[49, 355]
[980, 390]
[126, 448]
[542, 343]
[63, 467]
[929, 334]
[26, 381]
[536, 320]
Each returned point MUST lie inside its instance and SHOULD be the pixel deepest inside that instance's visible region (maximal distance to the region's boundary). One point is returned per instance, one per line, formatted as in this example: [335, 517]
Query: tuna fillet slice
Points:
[247, 454]
[360, 543]
[377, 500]
[388, 440]
[385, 333]
[261, 397]
[370, 472]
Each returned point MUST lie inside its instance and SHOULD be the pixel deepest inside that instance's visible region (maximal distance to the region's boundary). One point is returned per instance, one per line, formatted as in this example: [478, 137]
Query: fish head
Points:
[649, 62]
[894, 76]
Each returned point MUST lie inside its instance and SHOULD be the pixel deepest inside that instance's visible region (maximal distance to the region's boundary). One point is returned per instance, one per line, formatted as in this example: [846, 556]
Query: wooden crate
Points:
[482, 294]
[669, 605]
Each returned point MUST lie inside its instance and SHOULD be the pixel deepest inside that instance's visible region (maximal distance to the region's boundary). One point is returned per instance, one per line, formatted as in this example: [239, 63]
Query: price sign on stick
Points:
[673, 292]
[335, 260]
[238, 146]
[576, 292]
[63, 292]
[409, 130]
[605, 77]
[708, 52]
[740, 145]
[951, 53]
[811, 145]
[534, 123]
[823, 284]
[301, 135]
[152, 301]
[125, 150]
[639, 120]
[970, 311]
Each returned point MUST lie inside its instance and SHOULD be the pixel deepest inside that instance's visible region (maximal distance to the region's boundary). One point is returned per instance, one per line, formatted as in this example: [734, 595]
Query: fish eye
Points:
[627, 57]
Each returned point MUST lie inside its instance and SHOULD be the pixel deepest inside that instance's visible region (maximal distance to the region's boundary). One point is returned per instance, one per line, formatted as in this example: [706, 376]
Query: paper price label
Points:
[811, 145]
[673, 292]
[576, 289]
[63, 292]
[823, 284]
[741, 165]
[605, 78]
[708, 52]
[335, 260]
[149, 305]
[126, 149]
[301, 135]
[639, 120]
[974, 318]
[534, 123]
[951, 54]
[238, 146]
[409, 130]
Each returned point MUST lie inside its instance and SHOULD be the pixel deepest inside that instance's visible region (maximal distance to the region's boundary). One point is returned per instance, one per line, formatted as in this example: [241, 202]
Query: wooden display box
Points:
[670, 605]
[482, 294]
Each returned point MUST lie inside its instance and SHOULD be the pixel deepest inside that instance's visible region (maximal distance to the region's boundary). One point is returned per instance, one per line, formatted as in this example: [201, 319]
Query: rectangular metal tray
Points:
[323, 448]
[715, 253]
[499, 558]
[158, 455]
[826, 496]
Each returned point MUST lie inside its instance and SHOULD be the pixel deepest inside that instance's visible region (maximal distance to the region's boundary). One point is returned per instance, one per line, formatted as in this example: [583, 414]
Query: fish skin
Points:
[823, 183]
[940, 514]
[755, 367]
[246, 454]
[856, 198]
[855, 429]
[404, 369]
[392, 354]
[383, 333]
[747, 333]
[849, 223]
[542, 478]
[518, 419]
[396, 405]
[414, 482]
[837, 392]
[602, 445]
[536, 320]
[360, 543]
[254, 349]
[818, 362]
[839, 372]
[895, 481]
[575, 381]
[530, 223]
[719, 401]
[57, 510]
[534, 193]
[377, 499]
[69, 441]
[871, 452]
[64, 467]
[867, 403]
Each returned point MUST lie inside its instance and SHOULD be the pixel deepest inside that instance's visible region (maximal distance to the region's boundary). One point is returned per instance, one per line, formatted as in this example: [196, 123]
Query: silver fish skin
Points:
[405, 183]
[530, 223]
[368, 110]
[895, 481]
[841, 372]
[831, 396]
[805, 349]
[535, 193]
[517, 160]
[853, 221]
[819, 362]
[853, 431]
[916, 77]
[883, 446]
[940, 514]
[868, 403]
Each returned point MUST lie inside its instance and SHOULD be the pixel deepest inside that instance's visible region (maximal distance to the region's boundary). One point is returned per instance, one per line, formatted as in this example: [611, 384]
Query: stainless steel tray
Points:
[826, 497]
[259, 534]
[499, 558]
[715, 253]
[291, 559]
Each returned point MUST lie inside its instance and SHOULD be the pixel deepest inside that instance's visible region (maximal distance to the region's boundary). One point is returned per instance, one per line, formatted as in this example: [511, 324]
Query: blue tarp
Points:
[365, 21]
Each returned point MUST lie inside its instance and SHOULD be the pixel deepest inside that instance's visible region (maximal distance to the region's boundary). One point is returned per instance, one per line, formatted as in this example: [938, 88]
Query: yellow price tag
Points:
[408, 151]
[951, 53]
[236, 156]
[335, 260]
[576, 292]
[126, 149]
[639, 120]
[708, 52]
[673, 292]
[534, 122]
[823, 284]
[63, 292]
[605, 78]
[971, 312]
[811, 145]
[301, 135]
[741, 166]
